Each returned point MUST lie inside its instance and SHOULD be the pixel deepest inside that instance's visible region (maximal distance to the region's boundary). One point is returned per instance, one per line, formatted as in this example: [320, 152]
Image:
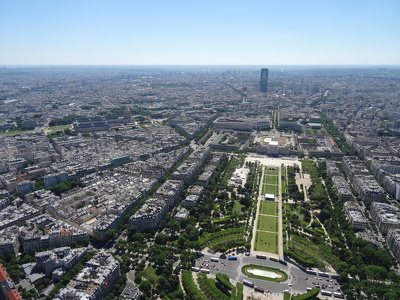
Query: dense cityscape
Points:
[199, 182]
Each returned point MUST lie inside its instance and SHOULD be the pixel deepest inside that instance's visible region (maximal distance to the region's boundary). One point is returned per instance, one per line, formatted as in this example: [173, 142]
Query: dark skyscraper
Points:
[264, 80]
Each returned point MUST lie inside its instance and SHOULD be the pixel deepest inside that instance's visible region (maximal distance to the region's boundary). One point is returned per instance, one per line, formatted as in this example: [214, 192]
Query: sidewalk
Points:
[258, 296]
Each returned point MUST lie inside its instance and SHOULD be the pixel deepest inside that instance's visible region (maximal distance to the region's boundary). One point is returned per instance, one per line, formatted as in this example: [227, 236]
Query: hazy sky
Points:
[199, 32]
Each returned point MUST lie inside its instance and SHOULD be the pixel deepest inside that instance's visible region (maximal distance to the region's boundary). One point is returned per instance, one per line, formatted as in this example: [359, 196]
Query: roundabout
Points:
[264, 273]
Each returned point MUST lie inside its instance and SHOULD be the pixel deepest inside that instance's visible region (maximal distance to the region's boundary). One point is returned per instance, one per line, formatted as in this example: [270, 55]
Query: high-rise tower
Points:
[127, 116]
[264, 80]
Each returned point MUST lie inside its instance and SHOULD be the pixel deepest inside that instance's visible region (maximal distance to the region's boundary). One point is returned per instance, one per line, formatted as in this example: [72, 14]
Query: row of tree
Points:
[351, 256]
[64, 120]
[337, 135]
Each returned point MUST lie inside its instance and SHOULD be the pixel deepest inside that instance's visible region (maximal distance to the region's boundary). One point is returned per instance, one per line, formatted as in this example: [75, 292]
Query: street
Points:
[296, 284]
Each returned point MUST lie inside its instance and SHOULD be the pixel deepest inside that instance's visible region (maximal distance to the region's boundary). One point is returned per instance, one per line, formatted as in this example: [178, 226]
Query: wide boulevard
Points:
[297, 282]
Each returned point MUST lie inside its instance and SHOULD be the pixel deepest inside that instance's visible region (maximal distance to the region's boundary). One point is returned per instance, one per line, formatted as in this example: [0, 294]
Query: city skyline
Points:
[261, 33]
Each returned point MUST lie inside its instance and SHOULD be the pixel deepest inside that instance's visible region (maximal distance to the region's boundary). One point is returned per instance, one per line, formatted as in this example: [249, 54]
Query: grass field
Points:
[316, 131]
[266, 241]
[270, 182]
[270, 189]
[271, 179]
[59, 127]
[237, 208]
[271, 172]
[267, 223]
[269, 208]
[13, 132]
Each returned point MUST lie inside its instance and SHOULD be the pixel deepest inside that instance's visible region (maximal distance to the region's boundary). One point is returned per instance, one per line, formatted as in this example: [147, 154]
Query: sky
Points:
[199, 32]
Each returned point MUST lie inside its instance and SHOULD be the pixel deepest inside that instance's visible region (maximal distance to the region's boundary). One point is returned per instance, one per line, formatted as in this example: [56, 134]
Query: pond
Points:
[264, 273]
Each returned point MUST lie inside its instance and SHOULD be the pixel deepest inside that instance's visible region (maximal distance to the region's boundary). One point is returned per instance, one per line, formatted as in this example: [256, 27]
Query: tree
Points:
[161, 239]
[375, 272]
[182, 239]
[174, 226]
[188, 259]
[39, 183]
[307, 215]
[26, 258]
[392, 295]
[324, 215]
[145, 286]
[111, 234]
[30, 295]
[246, 201]
[160, 258]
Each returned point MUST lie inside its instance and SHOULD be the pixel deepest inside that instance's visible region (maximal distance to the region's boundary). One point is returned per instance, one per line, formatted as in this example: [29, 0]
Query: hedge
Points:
[207, 238]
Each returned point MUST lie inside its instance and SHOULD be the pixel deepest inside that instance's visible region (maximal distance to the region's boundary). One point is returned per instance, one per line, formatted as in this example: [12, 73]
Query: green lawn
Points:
[13, 132]
[267, 223]
[270, 189]
[269, 208]
[271, 179]
[266, 241]
[237, 207]
[271, 172]
[316, 131]
[59, 127]
[150, 274]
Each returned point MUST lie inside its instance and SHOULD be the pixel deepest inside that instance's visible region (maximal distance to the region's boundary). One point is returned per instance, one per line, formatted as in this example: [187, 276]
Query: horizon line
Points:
[198, 65]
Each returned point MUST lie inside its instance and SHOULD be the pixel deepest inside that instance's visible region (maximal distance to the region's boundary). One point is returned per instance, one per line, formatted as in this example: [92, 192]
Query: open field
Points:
[59, 127]
[269, 208]
[237, 207]
[270, 179]
[266, 241]
[316, 132]
[270, 189]
[12, 132]
[273, 172]
[267, 223]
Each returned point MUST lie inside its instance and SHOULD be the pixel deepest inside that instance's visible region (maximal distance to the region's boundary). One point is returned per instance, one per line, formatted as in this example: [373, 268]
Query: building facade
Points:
[264, 80]
[386, 216]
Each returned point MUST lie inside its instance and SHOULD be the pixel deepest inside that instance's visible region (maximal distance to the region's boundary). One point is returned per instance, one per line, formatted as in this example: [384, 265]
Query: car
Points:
[247, 253]
[289, 284]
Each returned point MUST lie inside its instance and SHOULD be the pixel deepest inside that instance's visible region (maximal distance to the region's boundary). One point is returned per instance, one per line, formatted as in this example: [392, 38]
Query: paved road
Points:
[297, 283]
